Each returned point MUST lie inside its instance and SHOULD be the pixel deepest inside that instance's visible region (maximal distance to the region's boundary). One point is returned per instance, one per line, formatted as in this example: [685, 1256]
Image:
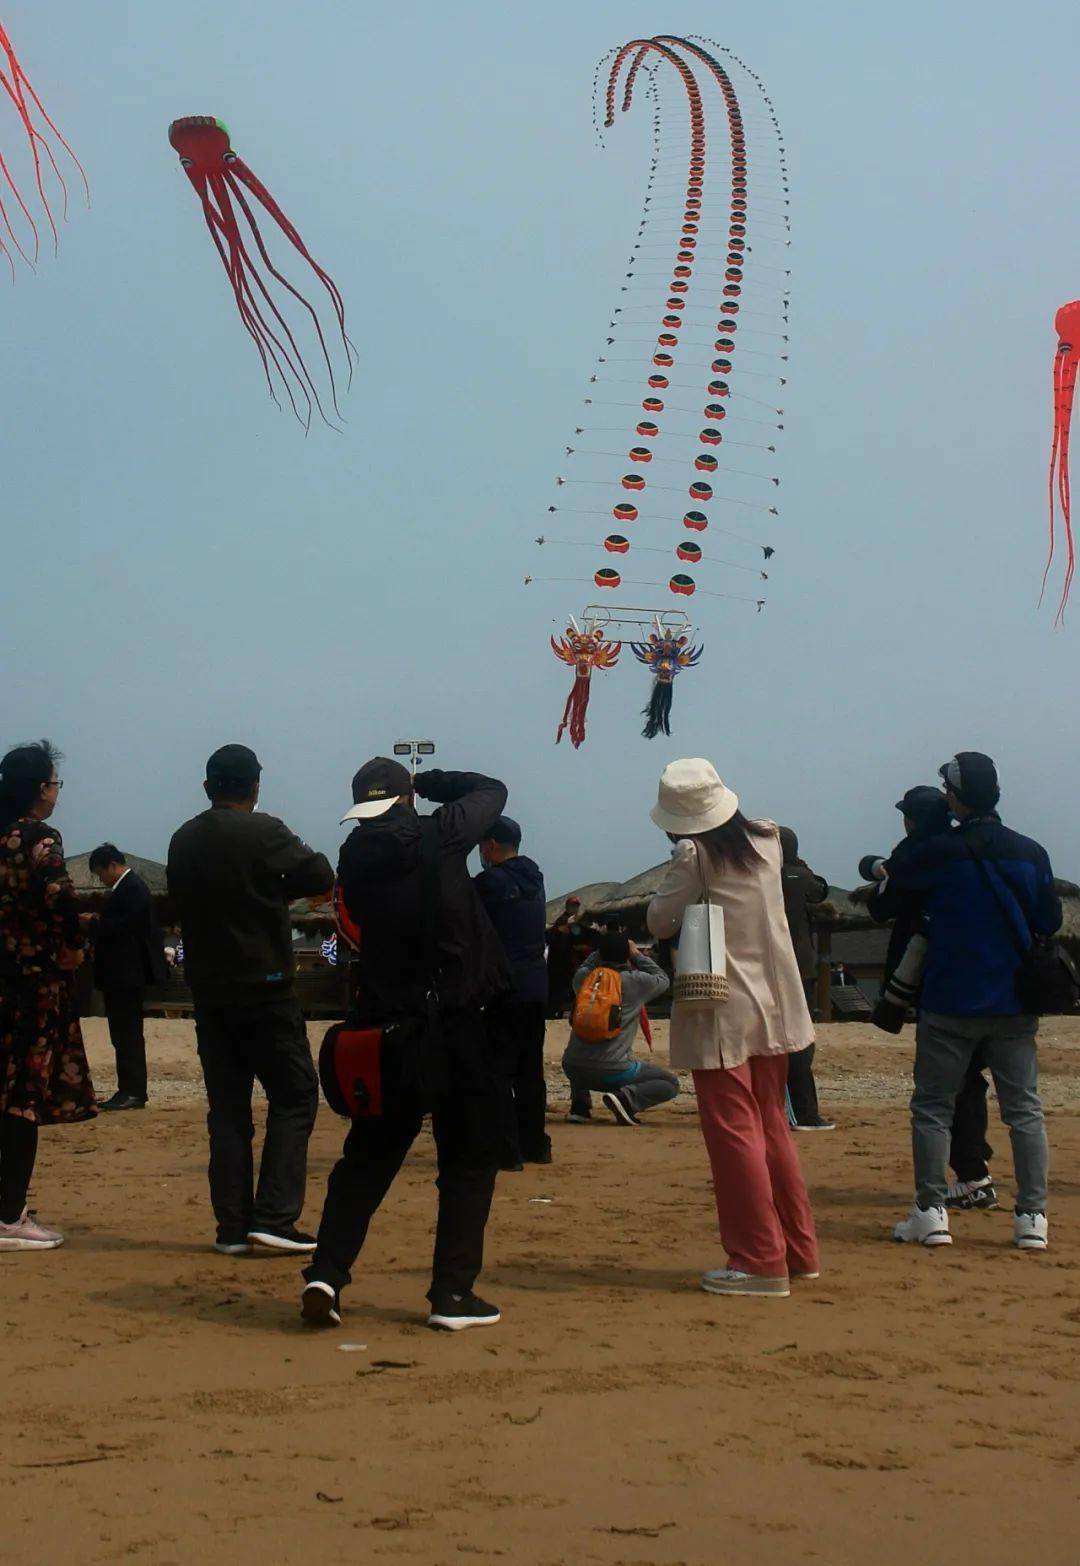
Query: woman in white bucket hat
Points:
[737, 1048]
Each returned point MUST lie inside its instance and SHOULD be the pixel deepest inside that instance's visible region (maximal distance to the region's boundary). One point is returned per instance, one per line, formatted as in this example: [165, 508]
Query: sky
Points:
[183, 568]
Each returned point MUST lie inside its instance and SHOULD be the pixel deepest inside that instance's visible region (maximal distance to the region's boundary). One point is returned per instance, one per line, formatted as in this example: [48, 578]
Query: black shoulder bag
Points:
[360, 1067]
[1047, 980]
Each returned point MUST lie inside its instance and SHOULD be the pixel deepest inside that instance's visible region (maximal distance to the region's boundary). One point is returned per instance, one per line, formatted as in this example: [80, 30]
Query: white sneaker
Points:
[26, 1234]
[926, 1226]
[1031, 1231]
[729, 1280]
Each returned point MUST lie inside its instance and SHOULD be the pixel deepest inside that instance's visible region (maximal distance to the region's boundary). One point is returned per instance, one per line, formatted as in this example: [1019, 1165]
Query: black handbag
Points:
[1047, 979]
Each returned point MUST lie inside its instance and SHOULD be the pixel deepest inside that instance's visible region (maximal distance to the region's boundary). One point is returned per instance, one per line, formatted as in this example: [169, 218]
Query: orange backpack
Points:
[598, 1008]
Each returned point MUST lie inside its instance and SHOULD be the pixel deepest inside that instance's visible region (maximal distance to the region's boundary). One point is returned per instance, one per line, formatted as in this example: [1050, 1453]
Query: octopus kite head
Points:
[202, 144]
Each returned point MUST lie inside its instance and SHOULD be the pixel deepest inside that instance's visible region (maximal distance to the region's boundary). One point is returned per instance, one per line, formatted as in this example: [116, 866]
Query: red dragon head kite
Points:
[585, 651]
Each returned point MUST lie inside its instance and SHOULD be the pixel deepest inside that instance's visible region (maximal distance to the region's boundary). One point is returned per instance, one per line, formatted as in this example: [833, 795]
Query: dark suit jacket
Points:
[128, 950]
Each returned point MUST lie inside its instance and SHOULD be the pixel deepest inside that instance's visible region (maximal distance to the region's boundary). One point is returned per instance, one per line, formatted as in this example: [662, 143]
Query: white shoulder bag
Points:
[701, 959]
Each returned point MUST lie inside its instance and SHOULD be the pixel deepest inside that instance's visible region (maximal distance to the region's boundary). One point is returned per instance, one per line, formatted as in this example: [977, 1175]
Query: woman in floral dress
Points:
[44, 1076]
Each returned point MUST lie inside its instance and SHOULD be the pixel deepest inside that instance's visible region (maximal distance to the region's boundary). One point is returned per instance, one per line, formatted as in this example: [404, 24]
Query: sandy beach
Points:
[165, 1404]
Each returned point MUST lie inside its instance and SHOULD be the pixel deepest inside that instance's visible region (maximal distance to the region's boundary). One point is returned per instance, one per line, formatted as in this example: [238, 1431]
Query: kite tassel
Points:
[577, 705]
[657, 713]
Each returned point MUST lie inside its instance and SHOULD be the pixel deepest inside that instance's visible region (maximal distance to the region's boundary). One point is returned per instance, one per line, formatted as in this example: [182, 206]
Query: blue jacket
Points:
[513, 895]
[979, 916]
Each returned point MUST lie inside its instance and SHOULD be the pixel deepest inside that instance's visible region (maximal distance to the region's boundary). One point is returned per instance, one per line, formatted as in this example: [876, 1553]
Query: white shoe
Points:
[1031, 1231]
[728, 1280]
[26, 1234]
[926, 1226]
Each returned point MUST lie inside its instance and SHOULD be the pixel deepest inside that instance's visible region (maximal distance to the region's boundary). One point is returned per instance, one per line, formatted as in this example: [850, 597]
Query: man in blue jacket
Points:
[987, 893]
[511, 888]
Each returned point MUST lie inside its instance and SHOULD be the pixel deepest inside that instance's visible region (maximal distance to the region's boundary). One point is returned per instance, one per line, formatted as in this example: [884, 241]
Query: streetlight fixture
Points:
[416, 750]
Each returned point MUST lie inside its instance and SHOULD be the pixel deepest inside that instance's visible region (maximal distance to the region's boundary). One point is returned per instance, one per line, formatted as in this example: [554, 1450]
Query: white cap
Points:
[692, 798]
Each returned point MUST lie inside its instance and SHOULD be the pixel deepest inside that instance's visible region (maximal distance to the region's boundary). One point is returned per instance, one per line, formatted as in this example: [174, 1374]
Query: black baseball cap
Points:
[233, 764]
[506, 832]
[973, 778]
[376, 787]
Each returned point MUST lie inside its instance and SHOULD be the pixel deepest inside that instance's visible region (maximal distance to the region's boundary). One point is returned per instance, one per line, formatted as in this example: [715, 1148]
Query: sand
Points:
[163, 1404]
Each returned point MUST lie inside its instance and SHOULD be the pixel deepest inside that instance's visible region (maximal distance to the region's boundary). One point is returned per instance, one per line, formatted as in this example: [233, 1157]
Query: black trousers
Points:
[239, 1045]
[802, 1089]
[18, 1154]
[970, 1151]
[464, 1123]
[124, 1009]
[516, 1039]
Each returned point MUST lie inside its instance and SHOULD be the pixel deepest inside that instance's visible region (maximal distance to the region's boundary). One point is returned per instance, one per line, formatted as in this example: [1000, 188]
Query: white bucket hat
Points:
[692, 798]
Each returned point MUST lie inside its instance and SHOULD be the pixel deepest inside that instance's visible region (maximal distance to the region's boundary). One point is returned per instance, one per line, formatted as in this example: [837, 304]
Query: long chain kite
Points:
[220, 178]
[703, 214]
[1067, 326]
[37, 126]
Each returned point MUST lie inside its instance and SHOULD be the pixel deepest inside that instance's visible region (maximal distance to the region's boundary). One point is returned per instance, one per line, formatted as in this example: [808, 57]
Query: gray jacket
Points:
[642, 981]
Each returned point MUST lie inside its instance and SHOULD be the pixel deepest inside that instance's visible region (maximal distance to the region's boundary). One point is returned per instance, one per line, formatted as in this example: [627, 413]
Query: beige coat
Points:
[767, 1012]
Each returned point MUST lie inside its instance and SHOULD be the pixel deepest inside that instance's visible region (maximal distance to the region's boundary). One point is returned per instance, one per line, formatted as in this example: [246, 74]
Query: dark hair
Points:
[22, 772]
[107, 854]
[733, 843]
[230, 791]
[613, 947]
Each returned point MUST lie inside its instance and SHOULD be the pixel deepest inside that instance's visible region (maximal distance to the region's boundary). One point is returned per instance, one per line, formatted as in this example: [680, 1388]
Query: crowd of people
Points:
[452, 977]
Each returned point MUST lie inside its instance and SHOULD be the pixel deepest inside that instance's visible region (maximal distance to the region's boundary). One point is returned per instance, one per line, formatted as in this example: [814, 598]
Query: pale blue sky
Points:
[182, 568]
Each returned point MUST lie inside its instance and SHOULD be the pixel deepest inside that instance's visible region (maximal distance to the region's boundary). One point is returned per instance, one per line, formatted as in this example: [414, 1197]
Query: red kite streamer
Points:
[220, 179]
[1067, 325]
[584, 651]
[706, 286]
[38, 127]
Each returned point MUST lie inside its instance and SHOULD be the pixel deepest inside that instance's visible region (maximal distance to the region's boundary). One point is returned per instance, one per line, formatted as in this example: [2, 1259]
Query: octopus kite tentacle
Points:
[1067, 324]
[220, 179]
[20, 90]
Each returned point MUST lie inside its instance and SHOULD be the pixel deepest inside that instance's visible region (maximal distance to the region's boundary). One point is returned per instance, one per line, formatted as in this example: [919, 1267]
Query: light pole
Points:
[416, 750]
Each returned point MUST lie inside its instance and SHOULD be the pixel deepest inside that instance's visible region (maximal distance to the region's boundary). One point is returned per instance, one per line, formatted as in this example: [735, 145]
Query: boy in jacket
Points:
[511, 888]
[381, 876]
[627, 1086]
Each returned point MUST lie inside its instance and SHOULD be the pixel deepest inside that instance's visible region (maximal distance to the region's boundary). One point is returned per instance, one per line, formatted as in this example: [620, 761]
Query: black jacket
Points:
[513, 894]
[232, 875]
[128, 950]
[379, 873]
[801, 888]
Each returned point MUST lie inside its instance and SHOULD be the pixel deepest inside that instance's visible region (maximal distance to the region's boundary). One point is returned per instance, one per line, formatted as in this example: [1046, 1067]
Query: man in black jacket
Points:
[427, 993]
[511, 888]
[128, 956]
[232, 874]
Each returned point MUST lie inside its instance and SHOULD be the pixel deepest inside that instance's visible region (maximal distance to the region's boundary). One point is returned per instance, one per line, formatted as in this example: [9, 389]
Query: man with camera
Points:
[989, 896]
[429, 961]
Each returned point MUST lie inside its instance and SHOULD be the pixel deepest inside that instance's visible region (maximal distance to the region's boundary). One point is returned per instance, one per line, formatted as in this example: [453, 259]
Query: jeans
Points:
[124, 1009]
[643, 1086]
[945, 1047]
[516, 1040]
[969, 1151]
[802, 1089]
[238, 1044]
[464, 1121]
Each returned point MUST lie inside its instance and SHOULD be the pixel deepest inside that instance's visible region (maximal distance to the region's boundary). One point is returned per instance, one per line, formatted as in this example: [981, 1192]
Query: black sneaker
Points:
[320, 1306]
[819, 1123]
[617, 1103]
[579, 1117]
[542, 1157]
[289, 1241]
[457, 1311]
[233, 1245]
[970, 1194]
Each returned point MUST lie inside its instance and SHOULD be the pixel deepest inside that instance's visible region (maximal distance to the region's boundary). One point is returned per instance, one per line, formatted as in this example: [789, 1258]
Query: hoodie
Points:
[642, 981]
[380, 878]
[516, 903]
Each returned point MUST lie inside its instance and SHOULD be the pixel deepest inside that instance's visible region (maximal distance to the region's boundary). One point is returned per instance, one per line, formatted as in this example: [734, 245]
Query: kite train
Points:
[220, 179]
[38, 127]
[703, 316]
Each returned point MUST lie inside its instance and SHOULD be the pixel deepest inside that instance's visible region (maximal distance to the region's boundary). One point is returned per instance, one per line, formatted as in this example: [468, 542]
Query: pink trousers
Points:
[766, 1223]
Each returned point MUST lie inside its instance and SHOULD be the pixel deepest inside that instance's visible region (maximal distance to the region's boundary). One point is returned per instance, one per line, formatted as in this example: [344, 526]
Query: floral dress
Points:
[44, 1075]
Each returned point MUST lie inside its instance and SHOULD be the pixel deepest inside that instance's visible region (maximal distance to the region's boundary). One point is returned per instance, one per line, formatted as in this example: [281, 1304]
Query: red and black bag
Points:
[358, 1065]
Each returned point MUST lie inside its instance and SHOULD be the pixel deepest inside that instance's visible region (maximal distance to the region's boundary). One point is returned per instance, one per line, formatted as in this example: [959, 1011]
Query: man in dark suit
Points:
[128, 955]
